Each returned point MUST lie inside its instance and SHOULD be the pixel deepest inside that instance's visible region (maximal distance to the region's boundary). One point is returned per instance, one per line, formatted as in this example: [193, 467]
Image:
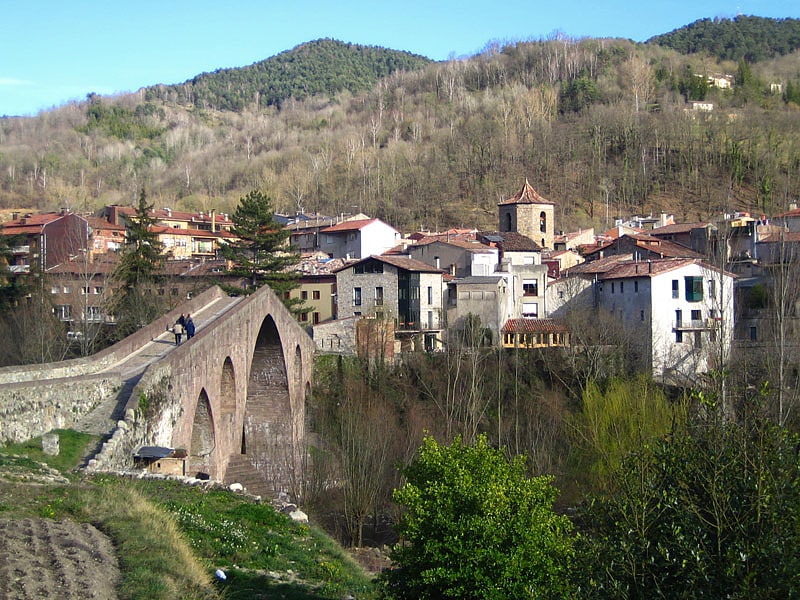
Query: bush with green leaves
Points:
[712, 511]
[475, 526]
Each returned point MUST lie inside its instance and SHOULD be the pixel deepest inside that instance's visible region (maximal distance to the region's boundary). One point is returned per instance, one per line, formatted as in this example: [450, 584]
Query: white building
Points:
[678, 312]
[358, 238]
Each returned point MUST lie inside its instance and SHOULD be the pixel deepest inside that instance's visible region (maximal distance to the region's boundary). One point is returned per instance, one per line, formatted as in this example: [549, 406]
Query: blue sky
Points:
[55, 51]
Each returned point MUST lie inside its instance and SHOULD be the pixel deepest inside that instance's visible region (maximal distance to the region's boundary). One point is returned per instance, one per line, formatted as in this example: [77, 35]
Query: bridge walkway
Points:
[102, 420]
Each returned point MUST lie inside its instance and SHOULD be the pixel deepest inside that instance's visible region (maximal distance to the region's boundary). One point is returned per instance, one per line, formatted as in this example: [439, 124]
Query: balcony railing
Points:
[696, 325]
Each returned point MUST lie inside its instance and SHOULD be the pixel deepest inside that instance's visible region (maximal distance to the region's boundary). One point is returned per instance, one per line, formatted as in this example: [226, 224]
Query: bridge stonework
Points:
[233, 398]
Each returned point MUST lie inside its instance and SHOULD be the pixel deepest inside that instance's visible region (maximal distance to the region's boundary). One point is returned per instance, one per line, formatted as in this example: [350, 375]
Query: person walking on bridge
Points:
[177, 329]
[189, 327]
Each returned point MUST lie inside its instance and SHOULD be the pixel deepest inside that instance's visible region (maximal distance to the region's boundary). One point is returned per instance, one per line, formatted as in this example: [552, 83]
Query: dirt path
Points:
[40, 558]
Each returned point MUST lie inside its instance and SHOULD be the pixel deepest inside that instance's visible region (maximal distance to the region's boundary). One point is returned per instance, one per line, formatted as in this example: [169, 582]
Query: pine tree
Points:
[261, 253]
[140, 261]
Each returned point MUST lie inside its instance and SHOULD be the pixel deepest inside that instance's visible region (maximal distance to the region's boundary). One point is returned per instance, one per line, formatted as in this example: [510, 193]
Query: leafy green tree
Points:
[476, 527]
[262, 254]
[709, 512]
[141, 259]
[617, 419]
[12, 287]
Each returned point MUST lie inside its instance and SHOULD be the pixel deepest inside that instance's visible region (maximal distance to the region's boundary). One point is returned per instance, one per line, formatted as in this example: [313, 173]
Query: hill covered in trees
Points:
[324, 67]
[601, 127]
[752, 38]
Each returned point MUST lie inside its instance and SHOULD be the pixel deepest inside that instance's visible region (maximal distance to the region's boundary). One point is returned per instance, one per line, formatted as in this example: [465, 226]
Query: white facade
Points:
[358, 239]
[678, 312]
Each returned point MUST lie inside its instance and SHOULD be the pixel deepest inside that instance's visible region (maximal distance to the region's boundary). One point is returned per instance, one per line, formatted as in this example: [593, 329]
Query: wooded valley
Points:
[601, 127]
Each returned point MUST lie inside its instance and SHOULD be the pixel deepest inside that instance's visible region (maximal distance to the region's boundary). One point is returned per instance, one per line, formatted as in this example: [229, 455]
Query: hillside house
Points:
[485, 297]
[677, 312]
[404, 290]
[459, 256]
[358, 238]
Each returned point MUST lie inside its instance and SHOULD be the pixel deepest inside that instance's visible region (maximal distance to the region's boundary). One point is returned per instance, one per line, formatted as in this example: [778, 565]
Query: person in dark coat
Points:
[189, 327]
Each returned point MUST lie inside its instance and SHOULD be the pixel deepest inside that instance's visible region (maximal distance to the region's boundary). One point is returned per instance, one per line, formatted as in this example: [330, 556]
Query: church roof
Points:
[527, 195]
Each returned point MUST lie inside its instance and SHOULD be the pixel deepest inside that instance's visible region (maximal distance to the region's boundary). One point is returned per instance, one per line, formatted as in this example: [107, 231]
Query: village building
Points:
[399, 289]
[526, 212]
[358, 238]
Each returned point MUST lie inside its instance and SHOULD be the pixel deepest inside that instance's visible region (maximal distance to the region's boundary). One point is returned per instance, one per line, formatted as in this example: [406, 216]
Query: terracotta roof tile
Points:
[348, 226]
[534, 326]
[526, 195]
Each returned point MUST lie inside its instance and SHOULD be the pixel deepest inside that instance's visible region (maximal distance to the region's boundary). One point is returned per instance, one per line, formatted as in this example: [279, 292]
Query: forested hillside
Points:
[751, 38]
[599, 126]
[323, 67]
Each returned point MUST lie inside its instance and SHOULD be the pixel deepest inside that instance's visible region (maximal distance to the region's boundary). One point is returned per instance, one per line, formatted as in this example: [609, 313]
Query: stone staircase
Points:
[241, 470]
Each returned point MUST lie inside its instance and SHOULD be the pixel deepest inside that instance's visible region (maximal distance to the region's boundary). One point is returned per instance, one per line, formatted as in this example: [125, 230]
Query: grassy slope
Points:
[172, 537]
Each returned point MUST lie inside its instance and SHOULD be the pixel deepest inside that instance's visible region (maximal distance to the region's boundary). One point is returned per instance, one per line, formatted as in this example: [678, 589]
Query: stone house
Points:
[403, 290]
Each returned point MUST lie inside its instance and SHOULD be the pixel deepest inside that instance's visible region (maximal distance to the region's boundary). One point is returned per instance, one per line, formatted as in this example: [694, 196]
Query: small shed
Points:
[159, 459]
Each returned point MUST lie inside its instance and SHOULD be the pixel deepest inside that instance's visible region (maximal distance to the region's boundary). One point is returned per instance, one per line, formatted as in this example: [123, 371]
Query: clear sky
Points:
[55, 51]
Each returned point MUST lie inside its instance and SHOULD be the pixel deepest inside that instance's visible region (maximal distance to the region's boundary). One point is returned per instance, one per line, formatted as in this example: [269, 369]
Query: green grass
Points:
[72, 446]
[172, 537]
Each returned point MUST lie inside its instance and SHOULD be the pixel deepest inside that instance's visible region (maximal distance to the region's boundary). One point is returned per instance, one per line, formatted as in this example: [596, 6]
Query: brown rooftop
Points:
[526, 195]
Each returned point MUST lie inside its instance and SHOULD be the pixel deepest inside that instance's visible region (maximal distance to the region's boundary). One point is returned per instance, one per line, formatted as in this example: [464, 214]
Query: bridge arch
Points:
[203, 440]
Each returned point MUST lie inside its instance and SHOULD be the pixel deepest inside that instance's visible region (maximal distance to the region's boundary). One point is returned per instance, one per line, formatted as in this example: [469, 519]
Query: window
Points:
[98, 289]
[612, 287]
[85, 289]
[370, 266]
[161, 291]
[543, 222]
[530, 287]
[530, 310]
[55, 289]
[694, 289]
[67, 289]
[621, 287]
[430, 295]
[678, 336]
[753, 334]
[173, 291]
[696, 316]
[678, 318]
[357, 296]
[94, 313]
[315, 294]
[379, 296]
[635, 287]
[315, 317]
[674, 288]
[415, 293]
[712, 288]
[303, 317]
[63, 312]
[304, 295]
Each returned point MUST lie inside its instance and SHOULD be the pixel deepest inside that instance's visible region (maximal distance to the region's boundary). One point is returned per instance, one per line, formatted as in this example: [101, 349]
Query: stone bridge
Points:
[232, 397]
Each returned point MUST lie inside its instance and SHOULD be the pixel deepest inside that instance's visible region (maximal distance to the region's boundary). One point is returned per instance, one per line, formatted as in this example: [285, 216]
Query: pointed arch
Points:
[203, 441]
[227, 387]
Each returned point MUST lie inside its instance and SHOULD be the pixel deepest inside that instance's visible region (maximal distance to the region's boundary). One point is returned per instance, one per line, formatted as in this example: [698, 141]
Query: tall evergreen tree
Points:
[141, 259]
[262, 254]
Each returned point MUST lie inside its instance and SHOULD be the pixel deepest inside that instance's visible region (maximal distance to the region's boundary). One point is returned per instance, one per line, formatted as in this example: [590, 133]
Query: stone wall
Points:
[34, 408]
[108, 357]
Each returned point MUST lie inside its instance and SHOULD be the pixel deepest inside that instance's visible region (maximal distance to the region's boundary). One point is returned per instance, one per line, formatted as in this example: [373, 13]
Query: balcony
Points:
[697, 325]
